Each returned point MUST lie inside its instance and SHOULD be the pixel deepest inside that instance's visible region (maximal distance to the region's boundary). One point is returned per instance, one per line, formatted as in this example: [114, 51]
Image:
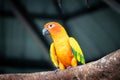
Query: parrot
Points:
[64, 50]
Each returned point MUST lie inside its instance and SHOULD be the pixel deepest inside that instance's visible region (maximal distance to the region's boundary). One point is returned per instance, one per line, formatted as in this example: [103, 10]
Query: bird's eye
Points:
[51, 26]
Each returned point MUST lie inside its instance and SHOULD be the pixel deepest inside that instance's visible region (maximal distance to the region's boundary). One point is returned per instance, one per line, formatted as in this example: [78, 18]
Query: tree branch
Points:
[106, 68]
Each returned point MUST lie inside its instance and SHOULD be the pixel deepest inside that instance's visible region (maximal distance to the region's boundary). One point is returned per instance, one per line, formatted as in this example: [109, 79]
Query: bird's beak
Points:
[45, 31]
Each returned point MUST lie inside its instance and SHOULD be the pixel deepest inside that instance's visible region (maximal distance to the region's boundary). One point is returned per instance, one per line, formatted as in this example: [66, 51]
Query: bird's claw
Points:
[57, 70]
[69, 67]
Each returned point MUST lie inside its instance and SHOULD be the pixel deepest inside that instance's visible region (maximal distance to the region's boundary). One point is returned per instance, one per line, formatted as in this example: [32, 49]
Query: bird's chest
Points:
[64, 52]
[62, 48]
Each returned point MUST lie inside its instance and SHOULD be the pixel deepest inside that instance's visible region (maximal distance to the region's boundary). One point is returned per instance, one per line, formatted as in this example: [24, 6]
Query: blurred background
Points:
[94, 23]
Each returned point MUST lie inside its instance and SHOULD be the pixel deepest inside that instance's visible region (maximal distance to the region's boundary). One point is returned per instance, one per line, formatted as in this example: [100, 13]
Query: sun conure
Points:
[64, 50]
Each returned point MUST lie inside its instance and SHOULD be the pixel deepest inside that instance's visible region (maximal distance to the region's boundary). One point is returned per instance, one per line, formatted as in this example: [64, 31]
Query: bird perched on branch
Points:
[64, 50]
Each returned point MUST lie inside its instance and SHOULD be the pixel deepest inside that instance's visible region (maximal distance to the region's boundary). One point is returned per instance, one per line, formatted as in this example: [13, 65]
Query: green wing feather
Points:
[53, 55]
[77, 51]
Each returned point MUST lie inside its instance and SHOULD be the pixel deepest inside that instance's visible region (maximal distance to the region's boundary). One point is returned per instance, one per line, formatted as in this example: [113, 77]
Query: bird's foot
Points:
[69, 67]
[57, 70]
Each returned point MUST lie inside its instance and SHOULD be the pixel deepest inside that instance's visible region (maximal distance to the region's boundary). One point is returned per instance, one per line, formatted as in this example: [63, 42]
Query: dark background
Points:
[23, 48]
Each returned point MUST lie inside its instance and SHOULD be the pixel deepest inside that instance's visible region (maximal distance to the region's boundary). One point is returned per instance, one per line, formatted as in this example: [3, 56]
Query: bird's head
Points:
[54, 29]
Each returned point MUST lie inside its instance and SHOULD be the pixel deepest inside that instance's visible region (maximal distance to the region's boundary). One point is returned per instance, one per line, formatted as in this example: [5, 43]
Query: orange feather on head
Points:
[54, 29]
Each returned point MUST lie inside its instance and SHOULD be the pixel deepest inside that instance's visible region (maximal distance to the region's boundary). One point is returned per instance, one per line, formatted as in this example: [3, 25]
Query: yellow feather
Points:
[78, 51]
[53, 55]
